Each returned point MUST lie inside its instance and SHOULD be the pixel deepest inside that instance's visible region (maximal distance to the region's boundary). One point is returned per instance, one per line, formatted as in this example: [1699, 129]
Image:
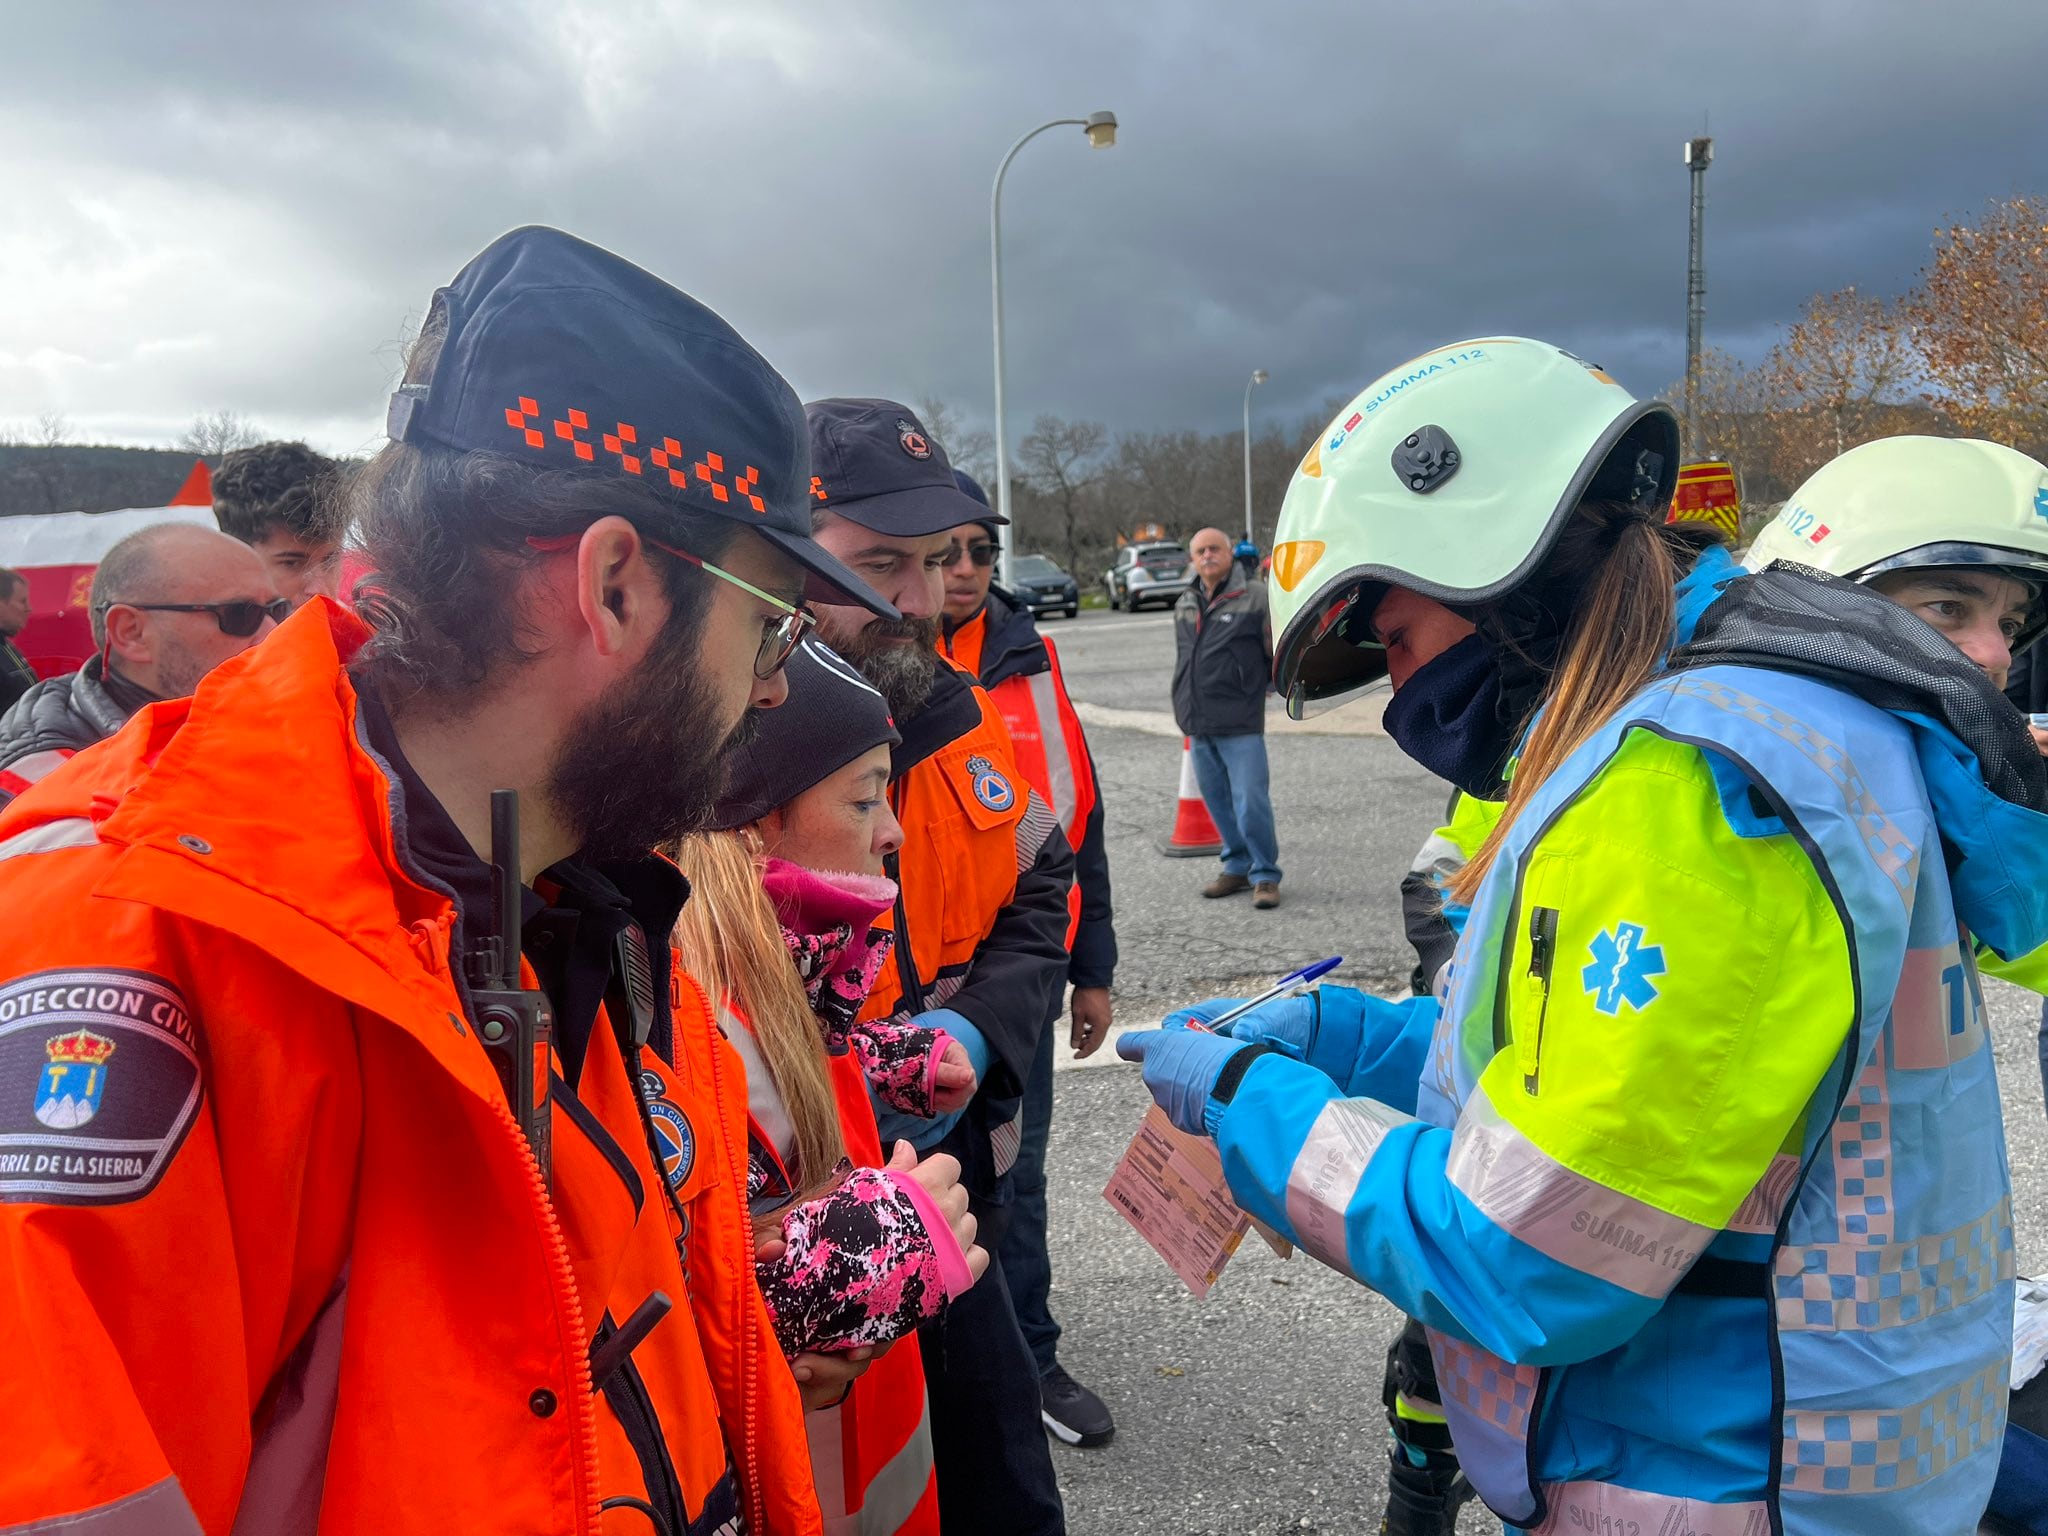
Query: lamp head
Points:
[1101, 129]
[1258, 375]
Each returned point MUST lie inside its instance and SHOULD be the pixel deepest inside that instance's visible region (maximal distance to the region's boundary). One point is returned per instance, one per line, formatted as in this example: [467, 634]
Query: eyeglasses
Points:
[777, 645]
[983, 555]
[240, 619]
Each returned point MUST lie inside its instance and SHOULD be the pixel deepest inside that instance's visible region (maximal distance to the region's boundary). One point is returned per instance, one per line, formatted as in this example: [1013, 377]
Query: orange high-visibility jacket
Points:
[981, 909]
[1045, 734]
[880, 1436]
[278, 1258]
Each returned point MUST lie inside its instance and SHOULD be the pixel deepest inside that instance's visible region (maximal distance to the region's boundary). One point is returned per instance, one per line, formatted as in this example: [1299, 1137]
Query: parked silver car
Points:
[1147, 573]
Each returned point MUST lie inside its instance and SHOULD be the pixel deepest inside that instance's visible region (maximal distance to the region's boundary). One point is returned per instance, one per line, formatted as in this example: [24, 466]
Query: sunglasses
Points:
[777, 644]
[240, 619]
[983, 555]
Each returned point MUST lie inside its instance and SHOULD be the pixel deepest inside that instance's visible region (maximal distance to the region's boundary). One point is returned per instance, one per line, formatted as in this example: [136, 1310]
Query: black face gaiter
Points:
[1447, 717]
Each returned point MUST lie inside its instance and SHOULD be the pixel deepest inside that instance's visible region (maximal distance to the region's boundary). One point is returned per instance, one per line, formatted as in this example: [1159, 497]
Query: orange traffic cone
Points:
[1194, 832]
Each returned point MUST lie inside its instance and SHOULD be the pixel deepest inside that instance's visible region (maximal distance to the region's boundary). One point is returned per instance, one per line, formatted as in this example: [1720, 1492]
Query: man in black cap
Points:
[981, 922]
[346, 1175]
[994, 637]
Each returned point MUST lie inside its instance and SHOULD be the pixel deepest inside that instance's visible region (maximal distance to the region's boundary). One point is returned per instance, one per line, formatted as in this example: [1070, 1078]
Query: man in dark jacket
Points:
[16, 675]
[980, 924]
[1223, 663]
[169, 604]
[995, 638]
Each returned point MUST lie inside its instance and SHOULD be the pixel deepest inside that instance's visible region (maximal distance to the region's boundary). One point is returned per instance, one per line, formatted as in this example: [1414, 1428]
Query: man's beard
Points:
[643, 764]
[903, 674]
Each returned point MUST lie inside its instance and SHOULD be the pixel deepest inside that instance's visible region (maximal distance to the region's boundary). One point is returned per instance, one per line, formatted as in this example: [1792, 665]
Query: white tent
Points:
[81, 538]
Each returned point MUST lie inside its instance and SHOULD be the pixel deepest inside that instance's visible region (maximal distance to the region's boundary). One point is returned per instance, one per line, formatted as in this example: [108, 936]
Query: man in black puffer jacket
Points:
[169, 604]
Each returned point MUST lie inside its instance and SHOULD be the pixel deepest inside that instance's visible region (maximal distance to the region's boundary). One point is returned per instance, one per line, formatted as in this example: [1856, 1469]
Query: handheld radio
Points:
[515, 1024]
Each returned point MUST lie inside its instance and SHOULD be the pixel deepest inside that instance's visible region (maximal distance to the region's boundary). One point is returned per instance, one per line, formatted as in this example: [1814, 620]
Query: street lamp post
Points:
[1699, 154]
[1101, 130]
[1258, 378]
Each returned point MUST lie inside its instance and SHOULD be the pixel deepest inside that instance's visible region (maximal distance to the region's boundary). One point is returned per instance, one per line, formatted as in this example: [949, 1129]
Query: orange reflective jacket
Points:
[872, 1455]
[970, 826]
[279, 1258]
[1045, 737]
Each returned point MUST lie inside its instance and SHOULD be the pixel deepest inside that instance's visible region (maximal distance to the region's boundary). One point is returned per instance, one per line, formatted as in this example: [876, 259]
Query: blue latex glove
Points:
[1181, 1068]
[922, 1133]
[1328, 1027]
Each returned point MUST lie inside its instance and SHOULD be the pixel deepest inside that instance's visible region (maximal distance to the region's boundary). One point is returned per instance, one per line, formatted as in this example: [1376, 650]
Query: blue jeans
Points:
[1027, 1262]
[1232, 773]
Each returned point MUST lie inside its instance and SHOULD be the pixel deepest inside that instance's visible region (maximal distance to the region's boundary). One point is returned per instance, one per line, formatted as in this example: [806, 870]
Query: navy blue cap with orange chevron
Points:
[560, 354]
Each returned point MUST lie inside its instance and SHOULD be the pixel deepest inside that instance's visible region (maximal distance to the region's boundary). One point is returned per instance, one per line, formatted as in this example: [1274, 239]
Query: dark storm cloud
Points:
[1320, 191]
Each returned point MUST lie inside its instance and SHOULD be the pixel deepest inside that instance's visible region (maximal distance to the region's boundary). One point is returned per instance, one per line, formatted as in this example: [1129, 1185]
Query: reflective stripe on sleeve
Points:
[1577, 1221]
[1033, 828]
[1327, 1170]
[158, 1510]
[66, 832]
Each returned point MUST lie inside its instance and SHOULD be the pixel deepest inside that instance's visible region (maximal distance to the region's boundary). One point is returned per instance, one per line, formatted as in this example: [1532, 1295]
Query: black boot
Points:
[1423, 1500]
[1425, 1486]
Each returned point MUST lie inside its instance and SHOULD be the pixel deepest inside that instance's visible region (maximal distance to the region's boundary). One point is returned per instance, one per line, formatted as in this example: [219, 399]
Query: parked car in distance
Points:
[1043, 587]
[1147, 573]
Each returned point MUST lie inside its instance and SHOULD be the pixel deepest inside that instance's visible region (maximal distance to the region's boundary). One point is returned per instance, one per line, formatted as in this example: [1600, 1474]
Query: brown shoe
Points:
[1226, 885]
[1267, 895]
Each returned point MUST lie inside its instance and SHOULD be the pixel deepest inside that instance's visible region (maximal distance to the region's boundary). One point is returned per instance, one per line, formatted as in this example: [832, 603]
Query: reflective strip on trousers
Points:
[1059, 760]
[892, 1494]
[158, 1510]
[1607, 1509]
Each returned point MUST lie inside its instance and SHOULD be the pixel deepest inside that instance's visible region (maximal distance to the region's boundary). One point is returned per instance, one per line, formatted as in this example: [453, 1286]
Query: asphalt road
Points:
[1257, 1410]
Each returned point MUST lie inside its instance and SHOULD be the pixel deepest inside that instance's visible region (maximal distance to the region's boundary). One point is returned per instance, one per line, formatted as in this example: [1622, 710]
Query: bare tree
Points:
[1062, 460]
[37, 465]
[1172, 478]
[970, 448]
[221, 432]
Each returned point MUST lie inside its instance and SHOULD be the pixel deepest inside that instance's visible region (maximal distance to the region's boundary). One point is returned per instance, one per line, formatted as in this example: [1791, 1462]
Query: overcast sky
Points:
[211, 206]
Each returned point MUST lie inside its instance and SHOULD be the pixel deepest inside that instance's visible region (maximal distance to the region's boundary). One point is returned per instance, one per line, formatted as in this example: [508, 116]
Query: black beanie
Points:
[832, 716]
[971, 488]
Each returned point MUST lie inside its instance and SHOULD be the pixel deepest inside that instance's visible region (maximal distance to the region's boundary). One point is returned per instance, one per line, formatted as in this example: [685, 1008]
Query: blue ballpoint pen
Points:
[1280, 988]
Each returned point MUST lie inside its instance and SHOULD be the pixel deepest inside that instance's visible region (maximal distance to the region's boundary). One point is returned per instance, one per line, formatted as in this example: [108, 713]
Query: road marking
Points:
[1361, 717]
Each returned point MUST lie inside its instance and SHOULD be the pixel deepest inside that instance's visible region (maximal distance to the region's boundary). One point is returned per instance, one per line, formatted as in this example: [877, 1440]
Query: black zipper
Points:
[1542, 954]
[627, 1394]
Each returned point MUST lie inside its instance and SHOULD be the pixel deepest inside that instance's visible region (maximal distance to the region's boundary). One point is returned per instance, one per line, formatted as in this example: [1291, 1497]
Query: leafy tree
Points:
[1980, 320]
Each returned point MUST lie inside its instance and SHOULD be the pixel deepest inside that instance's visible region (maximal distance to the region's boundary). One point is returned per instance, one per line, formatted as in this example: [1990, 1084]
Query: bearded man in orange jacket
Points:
[289, 1246]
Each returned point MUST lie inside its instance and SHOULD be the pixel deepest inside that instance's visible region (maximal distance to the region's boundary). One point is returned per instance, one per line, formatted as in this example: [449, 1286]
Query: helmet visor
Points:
[2024, 566]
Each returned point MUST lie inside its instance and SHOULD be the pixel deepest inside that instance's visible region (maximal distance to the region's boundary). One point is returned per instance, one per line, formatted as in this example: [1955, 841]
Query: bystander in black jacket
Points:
[16, 675]
[60, 716]
[1223, 658]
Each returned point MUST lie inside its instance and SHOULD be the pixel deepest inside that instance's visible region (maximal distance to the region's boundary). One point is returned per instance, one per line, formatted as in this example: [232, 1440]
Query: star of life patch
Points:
[99, 1082]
